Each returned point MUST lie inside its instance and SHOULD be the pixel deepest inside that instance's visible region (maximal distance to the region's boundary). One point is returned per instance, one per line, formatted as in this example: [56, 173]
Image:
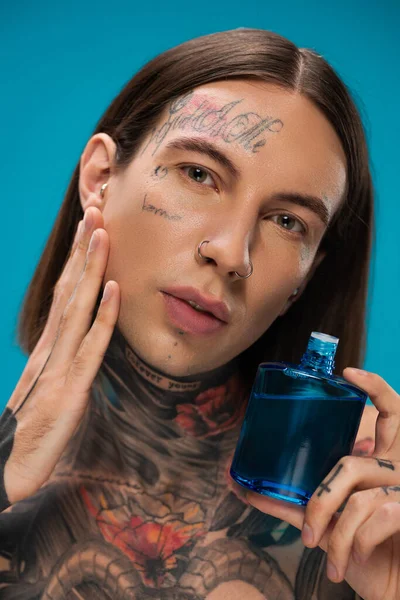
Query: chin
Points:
[161, 350]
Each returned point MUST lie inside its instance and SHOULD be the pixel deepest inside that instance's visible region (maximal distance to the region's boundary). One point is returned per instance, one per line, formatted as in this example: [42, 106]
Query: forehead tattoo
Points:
[199, 113]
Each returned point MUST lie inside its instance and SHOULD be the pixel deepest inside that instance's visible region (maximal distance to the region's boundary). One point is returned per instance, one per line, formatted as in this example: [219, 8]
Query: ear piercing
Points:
[103, 189]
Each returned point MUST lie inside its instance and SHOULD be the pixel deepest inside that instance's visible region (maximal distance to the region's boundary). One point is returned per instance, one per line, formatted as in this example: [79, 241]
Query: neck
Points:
[144, 423]
[173, 388]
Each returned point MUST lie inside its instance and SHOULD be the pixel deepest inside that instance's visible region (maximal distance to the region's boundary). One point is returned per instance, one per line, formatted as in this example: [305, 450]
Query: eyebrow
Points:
[313, 203]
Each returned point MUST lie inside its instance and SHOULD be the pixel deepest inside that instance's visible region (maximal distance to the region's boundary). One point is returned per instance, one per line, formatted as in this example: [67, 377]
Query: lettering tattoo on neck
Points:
[159, 211]
[324, 487]
[154, 377]
[199, 113]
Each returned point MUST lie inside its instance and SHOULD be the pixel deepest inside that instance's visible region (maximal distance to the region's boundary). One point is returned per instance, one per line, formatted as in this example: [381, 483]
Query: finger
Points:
[38, 356]
[288, 512]
[63, 291]
[77, 316]
[71, 274]
[285, 511]
[76, 238]
[359, 507]
[93, 348]
[352, 473]
[381, 525]
[387, 401]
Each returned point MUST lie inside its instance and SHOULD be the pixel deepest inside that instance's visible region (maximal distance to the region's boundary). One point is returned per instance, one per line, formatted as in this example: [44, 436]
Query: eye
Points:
[199, 175]
[290, 223]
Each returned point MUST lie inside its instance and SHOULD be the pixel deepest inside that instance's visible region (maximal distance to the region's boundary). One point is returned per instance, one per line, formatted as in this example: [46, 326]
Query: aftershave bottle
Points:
[300, 420]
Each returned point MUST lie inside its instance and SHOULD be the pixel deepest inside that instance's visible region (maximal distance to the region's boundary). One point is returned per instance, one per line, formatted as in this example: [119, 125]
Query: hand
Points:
[52, 395]
[362, 541]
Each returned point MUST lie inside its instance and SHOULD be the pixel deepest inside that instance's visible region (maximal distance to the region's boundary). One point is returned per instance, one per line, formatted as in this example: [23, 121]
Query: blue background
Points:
[62, 65]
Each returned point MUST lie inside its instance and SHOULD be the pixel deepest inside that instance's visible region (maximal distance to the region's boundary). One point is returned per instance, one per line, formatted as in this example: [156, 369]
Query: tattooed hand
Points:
[52, 395]
[354, 515]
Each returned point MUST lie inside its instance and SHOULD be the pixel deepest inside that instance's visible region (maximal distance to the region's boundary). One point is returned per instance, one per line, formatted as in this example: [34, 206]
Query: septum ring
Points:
[236, 273]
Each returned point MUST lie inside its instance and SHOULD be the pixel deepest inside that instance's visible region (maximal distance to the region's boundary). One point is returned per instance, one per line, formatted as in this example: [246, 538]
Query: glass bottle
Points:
[300, 420]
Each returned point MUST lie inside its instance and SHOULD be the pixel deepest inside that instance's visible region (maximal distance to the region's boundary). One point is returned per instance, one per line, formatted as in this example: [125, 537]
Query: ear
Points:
[319, 257]
[95, 169]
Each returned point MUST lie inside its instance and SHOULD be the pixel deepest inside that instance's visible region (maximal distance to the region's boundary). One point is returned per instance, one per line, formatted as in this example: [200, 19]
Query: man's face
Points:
[169, 200]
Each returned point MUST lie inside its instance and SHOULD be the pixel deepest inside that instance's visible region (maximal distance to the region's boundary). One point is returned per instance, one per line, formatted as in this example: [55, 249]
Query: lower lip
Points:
[190, 320]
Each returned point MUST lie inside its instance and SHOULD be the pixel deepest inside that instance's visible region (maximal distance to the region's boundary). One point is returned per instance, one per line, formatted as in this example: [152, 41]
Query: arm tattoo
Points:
[8, 425]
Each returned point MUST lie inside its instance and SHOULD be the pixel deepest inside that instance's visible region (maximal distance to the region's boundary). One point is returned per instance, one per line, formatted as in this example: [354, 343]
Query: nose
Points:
[229, 253]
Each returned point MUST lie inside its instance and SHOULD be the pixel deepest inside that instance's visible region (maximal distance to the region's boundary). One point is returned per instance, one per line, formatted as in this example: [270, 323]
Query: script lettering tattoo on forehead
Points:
[199, 113]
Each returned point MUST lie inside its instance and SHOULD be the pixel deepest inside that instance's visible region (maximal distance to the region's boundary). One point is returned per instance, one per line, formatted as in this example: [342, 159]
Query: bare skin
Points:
[244, 219]
[131, 467]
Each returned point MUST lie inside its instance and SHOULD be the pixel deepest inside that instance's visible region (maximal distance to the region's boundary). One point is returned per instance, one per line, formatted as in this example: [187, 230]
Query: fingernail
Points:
[331, 570]
[307, 534]
[358, 371]
[94, 241]
[107, 292]
[88, 219]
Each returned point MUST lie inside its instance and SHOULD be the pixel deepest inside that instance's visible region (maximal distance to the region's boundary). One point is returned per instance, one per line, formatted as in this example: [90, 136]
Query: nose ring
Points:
[236, 273]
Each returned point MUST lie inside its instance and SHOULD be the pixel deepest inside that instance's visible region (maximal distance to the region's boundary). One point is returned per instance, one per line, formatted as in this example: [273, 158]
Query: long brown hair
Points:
[335, 299]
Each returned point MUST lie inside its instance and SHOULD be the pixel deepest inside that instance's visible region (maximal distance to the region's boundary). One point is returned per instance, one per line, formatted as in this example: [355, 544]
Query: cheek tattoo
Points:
[190, 112]
[160, 172]
[159, 211]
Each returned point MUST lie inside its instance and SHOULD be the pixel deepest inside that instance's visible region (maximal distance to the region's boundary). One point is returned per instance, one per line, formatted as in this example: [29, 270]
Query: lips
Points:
[181, 315]
[217, 308]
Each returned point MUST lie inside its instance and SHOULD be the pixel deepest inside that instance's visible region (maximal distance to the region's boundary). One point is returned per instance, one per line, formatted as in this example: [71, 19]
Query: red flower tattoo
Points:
[153, 544]
[214, 411]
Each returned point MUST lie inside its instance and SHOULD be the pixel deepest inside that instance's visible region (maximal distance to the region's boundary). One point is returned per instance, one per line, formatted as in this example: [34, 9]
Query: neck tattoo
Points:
[149, 428]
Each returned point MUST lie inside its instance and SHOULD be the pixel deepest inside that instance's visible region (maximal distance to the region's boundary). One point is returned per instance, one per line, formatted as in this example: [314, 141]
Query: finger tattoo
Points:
[387, 464]
[324, 487]
[390, 488]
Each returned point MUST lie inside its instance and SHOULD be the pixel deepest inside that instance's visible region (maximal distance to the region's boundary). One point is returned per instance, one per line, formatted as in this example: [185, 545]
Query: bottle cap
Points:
[324, 337]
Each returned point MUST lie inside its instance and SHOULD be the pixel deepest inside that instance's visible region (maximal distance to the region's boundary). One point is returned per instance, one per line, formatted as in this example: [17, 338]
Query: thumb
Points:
[288, 512]
[285, 511]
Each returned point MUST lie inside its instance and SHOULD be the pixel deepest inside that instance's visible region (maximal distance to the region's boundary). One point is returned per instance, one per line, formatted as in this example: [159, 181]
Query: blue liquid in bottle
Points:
[299, 422]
